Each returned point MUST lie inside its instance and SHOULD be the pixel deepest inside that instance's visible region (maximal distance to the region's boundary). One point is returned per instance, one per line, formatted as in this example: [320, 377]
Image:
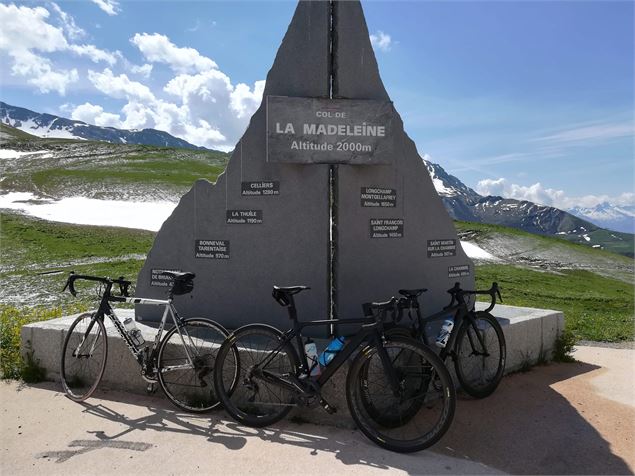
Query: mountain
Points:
[130, 166]
[50, 126]
[607, 215]
[465, 204]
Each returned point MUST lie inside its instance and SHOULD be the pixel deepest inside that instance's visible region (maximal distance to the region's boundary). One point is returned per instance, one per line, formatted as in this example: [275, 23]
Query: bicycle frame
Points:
[371, 331]
[105, 309]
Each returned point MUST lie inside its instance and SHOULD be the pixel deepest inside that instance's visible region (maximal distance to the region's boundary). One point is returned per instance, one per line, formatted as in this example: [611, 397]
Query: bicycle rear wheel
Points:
[257, 354]
[480, 355]
[83, 357]
[421, 411]
[185, 364]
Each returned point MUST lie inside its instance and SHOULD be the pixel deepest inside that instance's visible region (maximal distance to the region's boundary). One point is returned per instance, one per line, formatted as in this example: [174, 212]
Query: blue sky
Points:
[525, 99]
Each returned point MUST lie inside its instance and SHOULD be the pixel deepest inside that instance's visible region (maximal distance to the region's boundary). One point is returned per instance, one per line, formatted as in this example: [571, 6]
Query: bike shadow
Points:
[529, 427]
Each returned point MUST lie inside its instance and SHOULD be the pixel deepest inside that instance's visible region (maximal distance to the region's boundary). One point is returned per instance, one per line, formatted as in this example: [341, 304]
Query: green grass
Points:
[595, 307]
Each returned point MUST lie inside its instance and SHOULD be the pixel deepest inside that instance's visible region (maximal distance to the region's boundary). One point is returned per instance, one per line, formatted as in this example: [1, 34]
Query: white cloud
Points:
[144, 70]
[596, 132]
[120, 87]
[93, 114]
[94, 54]
[39, 72]
[244, 101]
[111, 7]
[159, 49]
[537, 193]
[26, 36]
[69, 26]
[381, 41]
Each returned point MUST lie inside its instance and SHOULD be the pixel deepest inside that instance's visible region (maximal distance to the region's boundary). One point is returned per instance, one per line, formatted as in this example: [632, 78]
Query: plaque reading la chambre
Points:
[329, 131]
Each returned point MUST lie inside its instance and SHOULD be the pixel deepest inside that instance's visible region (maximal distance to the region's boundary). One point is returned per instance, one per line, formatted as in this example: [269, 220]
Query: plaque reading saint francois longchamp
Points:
[336, 131]
[211, 249]
[386, 227]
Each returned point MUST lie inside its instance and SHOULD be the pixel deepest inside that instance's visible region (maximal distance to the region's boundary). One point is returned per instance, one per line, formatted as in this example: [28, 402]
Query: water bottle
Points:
[133, 332]
[444, 333]
[333, 348]
[312, 358]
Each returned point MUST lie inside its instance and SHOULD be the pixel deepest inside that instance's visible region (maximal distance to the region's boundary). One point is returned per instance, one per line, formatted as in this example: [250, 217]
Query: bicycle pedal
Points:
[330, 409]
[151, 388]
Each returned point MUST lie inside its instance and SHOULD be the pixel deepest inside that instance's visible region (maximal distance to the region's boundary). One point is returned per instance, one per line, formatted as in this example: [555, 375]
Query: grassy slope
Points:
[595, 307]
[29, 247]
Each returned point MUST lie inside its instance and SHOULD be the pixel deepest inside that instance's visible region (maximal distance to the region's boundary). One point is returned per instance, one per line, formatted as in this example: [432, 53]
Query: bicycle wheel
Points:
[423, 409]
[84, 356]
[480, 363]
[257, 354]
[185, 364]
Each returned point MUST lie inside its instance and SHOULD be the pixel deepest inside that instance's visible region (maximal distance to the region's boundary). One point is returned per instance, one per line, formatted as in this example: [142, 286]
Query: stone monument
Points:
[324, 189]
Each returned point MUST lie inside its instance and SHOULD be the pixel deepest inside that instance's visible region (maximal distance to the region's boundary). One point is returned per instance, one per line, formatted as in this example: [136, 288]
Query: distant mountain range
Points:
[462, 202]
[50, 126]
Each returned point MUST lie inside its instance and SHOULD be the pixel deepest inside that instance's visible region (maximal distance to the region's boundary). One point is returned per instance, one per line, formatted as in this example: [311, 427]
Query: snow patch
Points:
[586, 237]
[15, 154]
[90, 211]
[476, 252]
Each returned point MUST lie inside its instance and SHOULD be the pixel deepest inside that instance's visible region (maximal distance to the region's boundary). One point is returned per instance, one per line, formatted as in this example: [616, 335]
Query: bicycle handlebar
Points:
[458, 294]
[70, 282]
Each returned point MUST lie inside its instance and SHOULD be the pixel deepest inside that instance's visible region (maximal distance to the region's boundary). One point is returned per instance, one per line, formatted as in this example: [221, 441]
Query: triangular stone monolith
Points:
[353, 233]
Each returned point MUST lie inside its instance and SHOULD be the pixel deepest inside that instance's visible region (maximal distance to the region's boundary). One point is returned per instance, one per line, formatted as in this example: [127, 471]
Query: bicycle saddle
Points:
[412, 293]
[290, 289]
[178, 276]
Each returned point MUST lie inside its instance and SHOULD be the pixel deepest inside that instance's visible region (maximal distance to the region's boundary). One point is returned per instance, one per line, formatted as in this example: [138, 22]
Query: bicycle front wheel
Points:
[260, 357]
[480, 355]
[84, 356]
[185, 364]
[415, 414]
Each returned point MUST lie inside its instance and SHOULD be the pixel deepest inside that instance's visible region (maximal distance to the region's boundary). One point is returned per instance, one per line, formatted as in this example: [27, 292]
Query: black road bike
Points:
[182, 362]
[398, 391]
[476, 343]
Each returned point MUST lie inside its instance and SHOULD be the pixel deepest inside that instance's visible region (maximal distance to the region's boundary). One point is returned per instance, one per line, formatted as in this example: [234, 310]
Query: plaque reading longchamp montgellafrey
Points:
[459, 271]
[441, 248]
[378, 197]
[211, 249]
[160, 279]
[329, 131]
[244, 217]
[262, 188]
[386, 227]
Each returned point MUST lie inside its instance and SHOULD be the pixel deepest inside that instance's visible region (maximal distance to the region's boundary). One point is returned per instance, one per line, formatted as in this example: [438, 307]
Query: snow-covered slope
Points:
[607, 215]
[55, 127]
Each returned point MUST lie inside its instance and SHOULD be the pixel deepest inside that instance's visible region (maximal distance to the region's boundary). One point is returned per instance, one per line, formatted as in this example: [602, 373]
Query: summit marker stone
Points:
[324, 189]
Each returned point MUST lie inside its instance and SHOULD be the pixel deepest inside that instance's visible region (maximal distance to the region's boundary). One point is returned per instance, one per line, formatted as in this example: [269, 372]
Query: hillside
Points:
[51, 126]
[592, 287]
[59, 168]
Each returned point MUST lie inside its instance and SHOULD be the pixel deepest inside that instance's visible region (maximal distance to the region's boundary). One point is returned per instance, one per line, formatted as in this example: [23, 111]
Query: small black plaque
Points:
[160, 279]
[262, 188]
[459, 271]
[386, 227]
[441, 248]
[244, 217]
[211, 249]
[378, 197]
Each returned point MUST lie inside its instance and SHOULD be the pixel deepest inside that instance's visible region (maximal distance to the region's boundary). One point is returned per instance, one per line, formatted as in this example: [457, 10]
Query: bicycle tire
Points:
[252, 344]
[79, 377]
[477, 383]
[440, 393]
[191, 389]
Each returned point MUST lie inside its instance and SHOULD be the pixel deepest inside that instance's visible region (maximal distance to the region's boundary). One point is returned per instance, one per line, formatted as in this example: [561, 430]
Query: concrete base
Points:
[530, 335]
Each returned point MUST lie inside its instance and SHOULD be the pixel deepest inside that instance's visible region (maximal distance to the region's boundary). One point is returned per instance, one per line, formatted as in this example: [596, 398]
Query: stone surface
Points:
[521, 326]
[370, 268]
[286, 243]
